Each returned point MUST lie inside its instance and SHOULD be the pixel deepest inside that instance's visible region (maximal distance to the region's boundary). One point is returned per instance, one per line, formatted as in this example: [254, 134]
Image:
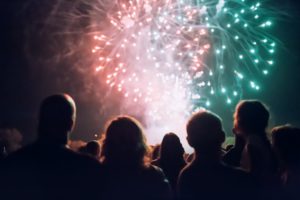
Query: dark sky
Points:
[25, 81]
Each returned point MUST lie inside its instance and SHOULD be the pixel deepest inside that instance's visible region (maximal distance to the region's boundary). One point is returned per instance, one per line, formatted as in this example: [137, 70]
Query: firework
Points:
[177, 56]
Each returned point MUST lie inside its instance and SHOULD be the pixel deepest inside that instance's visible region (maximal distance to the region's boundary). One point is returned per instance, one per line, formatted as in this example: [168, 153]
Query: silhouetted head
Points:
[93, 148]
[251, 117]
[124, 142]
[286, 144]
[171, 148]
[56, 118]
[205, 133]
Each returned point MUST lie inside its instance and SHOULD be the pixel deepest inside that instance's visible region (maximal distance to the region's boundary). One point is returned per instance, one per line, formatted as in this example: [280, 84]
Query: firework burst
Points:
[177, 56]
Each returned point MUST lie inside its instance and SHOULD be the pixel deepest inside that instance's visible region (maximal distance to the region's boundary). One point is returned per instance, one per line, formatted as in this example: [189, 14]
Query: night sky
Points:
[29, 71]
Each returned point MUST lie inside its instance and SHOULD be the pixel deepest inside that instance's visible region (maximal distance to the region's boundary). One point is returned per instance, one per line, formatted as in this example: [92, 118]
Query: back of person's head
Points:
[124, 142]
[286, 143]
[171, 148]
[56, 118]
[93, 148]
[251, 117]
[205, 133]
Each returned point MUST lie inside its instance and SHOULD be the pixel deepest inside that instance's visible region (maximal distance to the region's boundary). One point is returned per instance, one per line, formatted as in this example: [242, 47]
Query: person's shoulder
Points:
[158, 179]
[187, 172]
[243, 182]
[156, 162]
[186, 181]
[234, 170]
[188, 168]
[80, 158]
[154, 173]
[238, 174]
[21, 154]
[17, 162]
[153, 169]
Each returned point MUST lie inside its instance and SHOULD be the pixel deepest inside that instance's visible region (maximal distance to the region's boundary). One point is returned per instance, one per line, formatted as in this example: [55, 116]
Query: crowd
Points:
[123, 166]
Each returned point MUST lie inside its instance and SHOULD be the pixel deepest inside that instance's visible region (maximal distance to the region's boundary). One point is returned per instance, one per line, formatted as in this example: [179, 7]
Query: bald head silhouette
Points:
[56, 119]
[205, 132]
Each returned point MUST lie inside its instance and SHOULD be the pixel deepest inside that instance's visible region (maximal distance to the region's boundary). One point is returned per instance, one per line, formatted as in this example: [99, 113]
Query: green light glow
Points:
[223, 90]
[265, 72]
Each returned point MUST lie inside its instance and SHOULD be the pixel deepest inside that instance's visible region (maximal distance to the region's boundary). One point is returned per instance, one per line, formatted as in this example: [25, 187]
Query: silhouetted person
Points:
[47, 169]
[252, 150]
[206, 177]
[171, 158]
[286, 144]
[92, 148]
[128, 175]
[255, 154]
